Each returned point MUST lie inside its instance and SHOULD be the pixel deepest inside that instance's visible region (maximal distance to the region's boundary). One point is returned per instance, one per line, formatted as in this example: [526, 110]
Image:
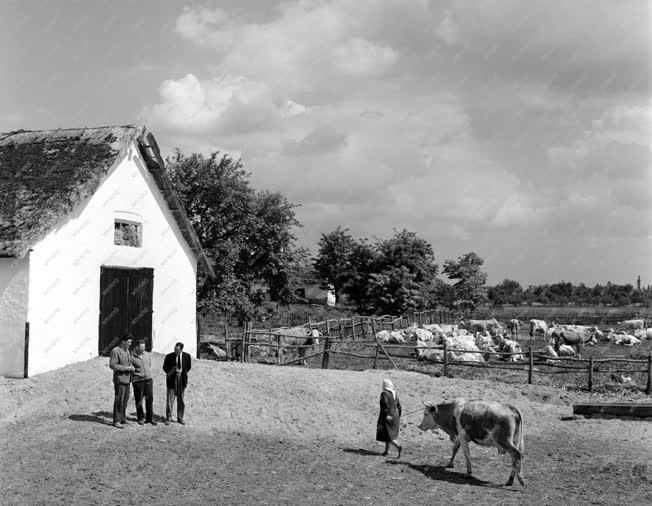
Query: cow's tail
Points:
[518, 432]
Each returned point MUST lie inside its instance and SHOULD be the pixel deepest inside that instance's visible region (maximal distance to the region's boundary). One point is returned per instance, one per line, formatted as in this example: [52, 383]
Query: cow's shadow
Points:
[441, 473]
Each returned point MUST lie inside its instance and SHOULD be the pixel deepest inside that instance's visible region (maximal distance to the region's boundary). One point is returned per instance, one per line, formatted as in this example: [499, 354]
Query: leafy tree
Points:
[403, 270]
[247, 234]
[362, 262]
[333, 262]
[395, 290]
[506, 292]
[470, 279]
[406, 249]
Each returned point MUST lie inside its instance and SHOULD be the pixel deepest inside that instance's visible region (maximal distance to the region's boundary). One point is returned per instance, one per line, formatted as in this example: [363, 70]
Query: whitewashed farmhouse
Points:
[94, 244]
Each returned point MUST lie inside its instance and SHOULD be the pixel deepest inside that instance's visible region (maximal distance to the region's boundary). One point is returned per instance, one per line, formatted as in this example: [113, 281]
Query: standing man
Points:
[143, 383]
[176, 366]
[120, 362]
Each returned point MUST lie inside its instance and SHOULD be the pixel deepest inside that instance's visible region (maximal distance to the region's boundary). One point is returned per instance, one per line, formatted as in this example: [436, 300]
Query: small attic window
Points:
[128, 233]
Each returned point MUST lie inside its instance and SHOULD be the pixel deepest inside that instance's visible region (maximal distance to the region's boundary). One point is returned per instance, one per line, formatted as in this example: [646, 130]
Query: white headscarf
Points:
[389, 387]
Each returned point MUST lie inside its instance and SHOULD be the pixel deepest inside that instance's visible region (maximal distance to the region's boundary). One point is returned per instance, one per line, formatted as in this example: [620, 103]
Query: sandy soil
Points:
[280, 435]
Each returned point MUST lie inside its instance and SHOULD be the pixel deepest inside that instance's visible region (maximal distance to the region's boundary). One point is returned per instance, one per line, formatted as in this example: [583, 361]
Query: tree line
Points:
[249, 235]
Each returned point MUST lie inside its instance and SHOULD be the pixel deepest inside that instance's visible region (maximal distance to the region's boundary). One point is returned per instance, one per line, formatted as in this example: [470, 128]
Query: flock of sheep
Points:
[482, 340]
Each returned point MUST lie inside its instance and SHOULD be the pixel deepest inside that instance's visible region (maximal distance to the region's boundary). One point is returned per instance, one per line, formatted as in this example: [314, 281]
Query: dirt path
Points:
[269, 435]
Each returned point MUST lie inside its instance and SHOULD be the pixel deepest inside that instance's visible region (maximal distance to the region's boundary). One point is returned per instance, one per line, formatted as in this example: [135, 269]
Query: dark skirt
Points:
[387, 431]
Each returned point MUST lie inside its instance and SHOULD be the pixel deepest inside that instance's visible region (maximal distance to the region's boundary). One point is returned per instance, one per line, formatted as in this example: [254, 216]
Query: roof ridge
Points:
[22, 131]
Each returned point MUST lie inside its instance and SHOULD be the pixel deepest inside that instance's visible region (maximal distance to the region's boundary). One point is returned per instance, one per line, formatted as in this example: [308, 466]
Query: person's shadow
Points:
[101, 417]
[106, 418]
[362, 451]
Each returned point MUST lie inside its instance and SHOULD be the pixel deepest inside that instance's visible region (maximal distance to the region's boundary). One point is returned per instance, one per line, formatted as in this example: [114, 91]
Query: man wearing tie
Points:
[176, 366]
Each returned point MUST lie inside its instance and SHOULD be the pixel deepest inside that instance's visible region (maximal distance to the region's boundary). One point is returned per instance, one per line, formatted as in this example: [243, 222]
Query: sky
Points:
[518, 130]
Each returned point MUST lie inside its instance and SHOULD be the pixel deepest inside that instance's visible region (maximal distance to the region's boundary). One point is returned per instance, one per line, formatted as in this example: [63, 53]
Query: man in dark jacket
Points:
[120, 362]
[176, 366]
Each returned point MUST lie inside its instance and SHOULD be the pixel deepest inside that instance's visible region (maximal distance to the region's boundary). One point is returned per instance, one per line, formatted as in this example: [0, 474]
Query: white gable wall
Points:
[14, 283]
[64, 280]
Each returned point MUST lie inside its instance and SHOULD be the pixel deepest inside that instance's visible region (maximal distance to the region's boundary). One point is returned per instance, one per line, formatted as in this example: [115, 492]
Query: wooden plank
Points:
[26, 352]
[386, 354]
[615, 408]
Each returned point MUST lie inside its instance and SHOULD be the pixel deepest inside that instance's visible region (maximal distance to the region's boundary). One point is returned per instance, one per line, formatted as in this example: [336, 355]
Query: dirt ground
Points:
[257, 434]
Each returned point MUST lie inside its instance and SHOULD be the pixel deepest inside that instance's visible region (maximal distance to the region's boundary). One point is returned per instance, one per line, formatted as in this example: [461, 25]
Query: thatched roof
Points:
[45, 174]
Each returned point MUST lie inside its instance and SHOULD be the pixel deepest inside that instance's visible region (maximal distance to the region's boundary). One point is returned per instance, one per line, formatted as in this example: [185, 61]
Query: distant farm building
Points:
[94, 244]
[313, 293]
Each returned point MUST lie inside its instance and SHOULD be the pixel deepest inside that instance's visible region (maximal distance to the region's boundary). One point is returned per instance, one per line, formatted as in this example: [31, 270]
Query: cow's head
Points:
[429, 421]
[313, 337]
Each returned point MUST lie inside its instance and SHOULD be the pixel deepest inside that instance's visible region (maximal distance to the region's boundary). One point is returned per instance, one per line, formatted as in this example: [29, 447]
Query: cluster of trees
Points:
[249, 235]
[511, 292]
[395, 275]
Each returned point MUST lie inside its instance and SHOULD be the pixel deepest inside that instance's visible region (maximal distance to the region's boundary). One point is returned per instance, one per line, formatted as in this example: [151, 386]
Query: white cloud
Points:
[359, 57]
[448, 31]
[516, 210]
[226, 104]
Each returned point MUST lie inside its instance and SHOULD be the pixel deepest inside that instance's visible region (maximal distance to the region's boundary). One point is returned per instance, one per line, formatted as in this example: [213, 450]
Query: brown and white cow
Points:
[299, 337]
[538, 327]
[632, 324]
[491, 326]
[485, 423]
[513, 325]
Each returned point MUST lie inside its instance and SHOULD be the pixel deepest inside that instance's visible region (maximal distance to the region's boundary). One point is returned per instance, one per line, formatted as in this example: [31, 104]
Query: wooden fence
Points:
[339, 333]
[383, 351]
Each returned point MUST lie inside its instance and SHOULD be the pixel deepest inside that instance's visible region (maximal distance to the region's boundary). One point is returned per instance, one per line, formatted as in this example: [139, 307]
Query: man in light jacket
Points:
[143, 383]
[120, 362]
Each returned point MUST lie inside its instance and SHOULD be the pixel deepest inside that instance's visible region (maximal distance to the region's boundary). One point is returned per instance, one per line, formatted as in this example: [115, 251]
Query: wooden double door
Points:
[125, 306]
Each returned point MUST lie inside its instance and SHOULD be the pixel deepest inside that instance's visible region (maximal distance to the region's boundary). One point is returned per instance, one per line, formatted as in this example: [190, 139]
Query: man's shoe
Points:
[167, 422]
[124, 422]
[117, 425]
[141, 422]
[152, 422]
[182, 422]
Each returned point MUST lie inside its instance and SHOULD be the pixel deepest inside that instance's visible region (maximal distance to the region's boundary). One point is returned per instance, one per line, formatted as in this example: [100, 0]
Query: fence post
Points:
[373, 328]
[364, 332]
[227, 346]
[244, 340]
[328, 328]
[419, 315]
[279, 352]
[530, 367]
[326, 356]
[376, 357]
[198, 328]
[648, 388]
[339, 326]
[250, 326]
[445, 358]
[590, 374]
